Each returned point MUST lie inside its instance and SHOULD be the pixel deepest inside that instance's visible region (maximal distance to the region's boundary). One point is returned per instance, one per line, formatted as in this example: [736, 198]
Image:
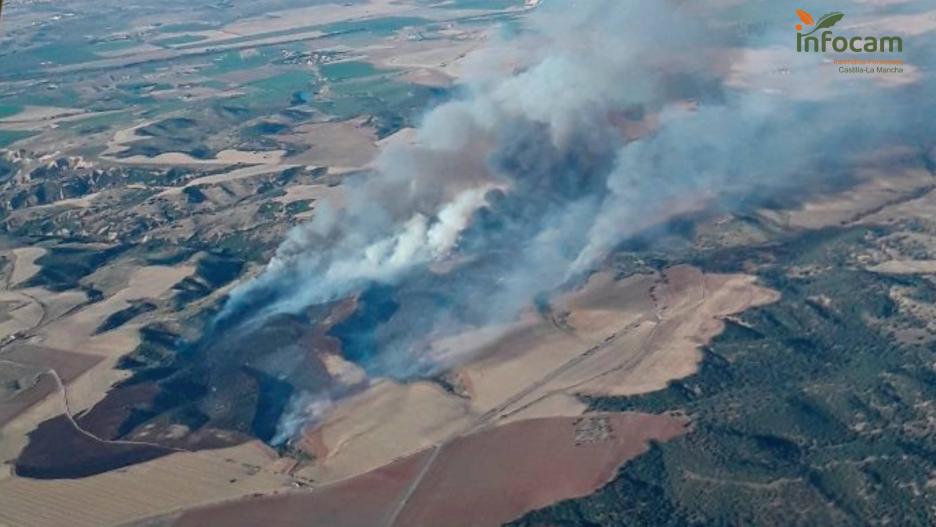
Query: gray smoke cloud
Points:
[597, 121]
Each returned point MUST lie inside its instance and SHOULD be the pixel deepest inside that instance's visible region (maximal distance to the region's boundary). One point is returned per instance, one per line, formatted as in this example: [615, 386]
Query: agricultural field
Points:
[462, 263]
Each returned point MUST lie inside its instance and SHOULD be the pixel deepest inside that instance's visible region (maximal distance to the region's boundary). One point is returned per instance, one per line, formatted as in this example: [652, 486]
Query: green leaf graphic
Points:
[826, 21]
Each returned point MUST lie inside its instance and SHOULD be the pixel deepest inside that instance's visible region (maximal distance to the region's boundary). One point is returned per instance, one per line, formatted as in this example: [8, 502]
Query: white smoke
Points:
[532, 176]
[302, 410]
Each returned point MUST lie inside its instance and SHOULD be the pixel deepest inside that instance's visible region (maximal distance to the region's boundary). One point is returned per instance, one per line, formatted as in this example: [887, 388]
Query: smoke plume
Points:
[597, 120]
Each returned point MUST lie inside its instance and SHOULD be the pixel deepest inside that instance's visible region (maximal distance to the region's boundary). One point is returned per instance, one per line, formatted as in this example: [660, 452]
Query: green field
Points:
[113, 45]
[61, 97]
[8, 137]
[250, 38]
[97, 123]
[52, 54]
[381, 26]
[339, 71]
[392, 104]
[9, 110]
[277, 90]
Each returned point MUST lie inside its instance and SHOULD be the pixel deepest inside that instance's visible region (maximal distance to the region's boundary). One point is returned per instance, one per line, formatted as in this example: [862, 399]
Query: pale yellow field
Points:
[327, 193]
[224, 157]
[432, 63]
[868, 201]
[56, 323]
[156, 487]
[18, 312]
[33, 114]
[349, 144]
[124, 137]
[316, 15]
[13, 434]
[610, 337]
[386, 422]
[233, 175]
[905, 267]
[77, 330]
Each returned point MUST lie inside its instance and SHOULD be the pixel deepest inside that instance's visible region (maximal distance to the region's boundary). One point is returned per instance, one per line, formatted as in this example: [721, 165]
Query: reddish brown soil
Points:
[363, 501]
[497, 475]
[484, 479]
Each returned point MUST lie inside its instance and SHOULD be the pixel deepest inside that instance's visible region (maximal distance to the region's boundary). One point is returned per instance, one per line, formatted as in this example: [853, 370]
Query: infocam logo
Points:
[825, 40]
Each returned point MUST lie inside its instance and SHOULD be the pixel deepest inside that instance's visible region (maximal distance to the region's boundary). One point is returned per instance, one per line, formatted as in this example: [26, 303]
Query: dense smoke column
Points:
[531, 177]
[517, 165]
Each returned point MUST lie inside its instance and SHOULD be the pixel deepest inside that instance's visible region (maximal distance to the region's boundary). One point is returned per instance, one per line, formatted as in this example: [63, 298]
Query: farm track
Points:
[63, 393]
[486, 419]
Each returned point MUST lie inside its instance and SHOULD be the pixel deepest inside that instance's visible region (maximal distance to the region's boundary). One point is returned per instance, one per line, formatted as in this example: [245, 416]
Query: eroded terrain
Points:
[717, 367]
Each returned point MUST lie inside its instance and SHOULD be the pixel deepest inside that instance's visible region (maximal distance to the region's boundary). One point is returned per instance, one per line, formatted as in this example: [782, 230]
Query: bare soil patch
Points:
[612, 336]
[157, 487]
[364, 501]
[492, 477]
[484, 479]
[25, 265]
[346, 144]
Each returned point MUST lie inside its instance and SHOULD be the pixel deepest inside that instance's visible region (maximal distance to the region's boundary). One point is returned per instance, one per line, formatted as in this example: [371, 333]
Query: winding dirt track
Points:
[63, 392]
[37, 359]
